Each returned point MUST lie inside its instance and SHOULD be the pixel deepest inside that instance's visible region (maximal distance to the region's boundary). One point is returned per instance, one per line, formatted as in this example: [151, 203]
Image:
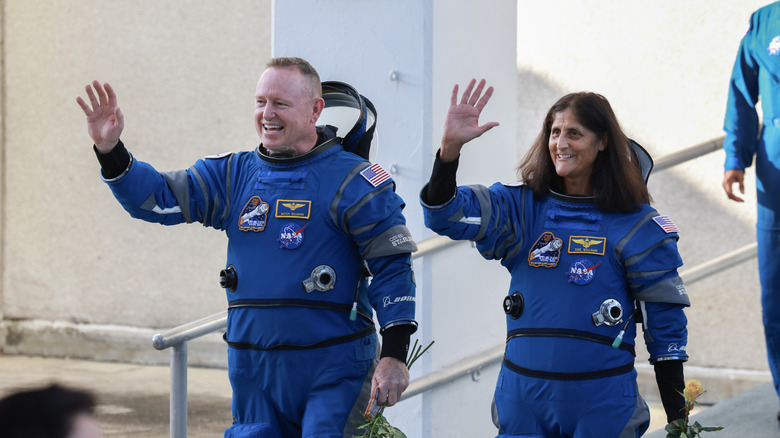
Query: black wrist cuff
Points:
[671, 383]
[115, 162]
[395, 341]
[443, 185]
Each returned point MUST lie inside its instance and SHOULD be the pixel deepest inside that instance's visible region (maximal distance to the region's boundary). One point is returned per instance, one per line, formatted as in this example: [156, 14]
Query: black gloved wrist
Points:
[671, 384]
[395, 341]
[442, 185]
[114, 162]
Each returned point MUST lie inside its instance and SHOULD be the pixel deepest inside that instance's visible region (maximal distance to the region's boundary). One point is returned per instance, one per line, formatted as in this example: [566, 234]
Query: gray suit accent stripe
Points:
[519, 245]
[511, 238]
[395, 240]
[334, 204]
[205, 193]
[624, 241]
[149, 203]
[179, 183]
[457, 216]
[670, 290]
[360, 230]
[645, 274]
[228, 190]
[353, 210]
[639, 257]
[483, 197]
[356, 413]
[214, 211]
[640, 416]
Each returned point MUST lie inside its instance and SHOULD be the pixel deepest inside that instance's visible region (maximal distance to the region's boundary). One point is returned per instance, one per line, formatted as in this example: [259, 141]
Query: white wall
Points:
[185, 75]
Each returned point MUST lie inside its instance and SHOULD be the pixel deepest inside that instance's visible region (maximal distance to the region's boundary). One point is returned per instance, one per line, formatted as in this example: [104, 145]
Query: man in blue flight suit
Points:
[307, 224]
[755, 74]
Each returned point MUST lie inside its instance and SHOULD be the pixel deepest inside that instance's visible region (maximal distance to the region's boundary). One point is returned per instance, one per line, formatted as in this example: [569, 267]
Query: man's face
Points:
[286, 111]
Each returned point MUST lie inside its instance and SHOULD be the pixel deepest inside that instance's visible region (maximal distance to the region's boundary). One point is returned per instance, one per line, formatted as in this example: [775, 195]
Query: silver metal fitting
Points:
[610, 313]
[322, 278]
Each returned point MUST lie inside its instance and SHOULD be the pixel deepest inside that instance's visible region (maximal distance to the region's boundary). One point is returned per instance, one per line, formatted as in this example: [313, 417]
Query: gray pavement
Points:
[133, 399]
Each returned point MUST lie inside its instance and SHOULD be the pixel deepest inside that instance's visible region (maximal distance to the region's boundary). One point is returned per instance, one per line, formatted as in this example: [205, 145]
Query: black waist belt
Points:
[569, 376]
[567, 333]
[289, 302]
[326, 343]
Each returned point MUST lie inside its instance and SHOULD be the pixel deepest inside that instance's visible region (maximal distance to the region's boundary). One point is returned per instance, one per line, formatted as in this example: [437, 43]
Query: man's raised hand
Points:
[105, 121]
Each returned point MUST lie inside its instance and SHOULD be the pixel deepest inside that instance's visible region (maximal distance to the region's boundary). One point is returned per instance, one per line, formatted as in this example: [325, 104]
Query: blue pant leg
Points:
[618, 410]
[340, 390]
[254, 411]
[598, 408]
[769, 273]
[515, 414]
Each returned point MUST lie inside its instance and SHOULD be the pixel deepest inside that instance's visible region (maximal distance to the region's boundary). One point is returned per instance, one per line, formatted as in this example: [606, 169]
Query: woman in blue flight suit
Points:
[584, 248]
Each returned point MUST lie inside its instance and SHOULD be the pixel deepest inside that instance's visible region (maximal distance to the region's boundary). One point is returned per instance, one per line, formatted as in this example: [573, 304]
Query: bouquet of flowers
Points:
[376, 425]
[682, 428]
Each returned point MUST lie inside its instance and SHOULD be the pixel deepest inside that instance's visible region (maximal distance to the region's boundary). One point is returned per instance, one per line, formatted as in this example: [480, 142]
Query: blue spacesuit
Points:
[756, 72]
[577, 274]
[305, 233]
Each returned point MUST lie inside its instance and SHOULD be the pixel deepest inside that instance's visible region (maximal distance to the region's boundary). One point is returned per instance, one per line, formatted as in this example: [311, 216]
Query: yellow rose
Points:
[692, 390]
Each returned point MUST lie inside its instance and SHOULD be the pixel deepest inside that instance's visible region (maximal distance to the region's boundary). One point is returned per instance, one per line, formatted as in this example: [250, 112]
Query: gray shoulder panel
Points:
[483, 197]
[671, 290]
[395, 240]
[334, 204]
[624, 241]
[179, 184]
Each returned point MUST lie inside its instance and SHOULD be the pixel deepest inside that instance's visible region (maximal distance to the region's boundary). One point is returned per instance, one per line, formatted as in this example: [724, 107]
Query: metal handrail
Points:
[688, 154]
[178, 337]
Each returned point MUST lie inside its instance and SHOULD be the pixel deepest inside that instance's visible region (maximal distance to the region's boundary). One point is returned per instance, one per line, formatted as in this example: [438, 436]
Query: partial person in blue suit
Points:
[588, 257]
[308, 224]
[756, 76]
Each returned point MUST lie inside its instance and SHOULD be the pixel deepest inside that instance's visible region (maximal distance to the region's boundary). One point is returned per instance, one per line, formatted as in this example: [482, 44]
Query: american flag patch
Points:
[666, 224]
[375, 174]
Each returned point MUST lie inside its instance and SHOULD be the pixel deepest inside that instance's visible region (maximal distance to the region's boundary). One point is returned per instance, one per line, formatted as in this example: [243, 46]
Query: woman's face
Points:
[573, 149]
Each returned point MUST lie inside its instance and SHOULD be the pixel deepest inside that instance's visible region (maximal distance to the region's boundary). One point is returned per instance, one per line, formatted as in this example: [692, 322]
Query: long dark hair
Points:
[616, 177]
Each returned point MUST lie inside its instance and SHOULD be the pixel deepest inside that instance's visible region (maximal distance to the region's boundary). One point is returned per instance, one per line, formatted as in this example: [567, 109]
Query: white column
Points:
[405, 56]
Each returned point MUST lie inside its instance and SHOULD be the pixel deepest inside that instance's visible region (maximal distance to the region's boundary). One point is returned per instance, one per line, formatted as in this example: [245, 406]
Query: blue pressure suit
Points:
[305, 234]
[567, 371]
[757, 73]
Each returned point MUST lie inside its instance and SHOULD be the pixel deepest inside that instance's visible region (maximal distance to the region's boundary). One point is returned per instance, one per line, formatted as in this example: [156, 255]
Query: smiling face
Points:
[286, 111]
[573, 149]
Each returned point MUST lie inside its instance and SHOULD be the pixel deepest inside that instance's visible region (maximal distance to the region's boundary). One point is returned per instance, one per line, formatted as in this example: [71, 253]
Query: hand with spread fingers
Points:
[462, 122]
[105, 120]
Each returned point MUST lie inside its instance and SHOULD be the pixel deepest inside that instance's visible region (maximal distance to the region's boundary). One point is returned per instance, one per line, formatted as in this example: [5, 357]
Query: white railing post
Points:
[178, 404]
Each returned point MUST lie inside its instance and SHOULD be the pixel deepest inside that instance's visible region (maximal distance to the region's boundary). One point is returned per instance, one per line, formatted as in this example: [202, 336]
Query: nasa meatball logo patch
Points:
[546, 251]
[582, 271]
[774, 46]
[291, 235]
[254, 216]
